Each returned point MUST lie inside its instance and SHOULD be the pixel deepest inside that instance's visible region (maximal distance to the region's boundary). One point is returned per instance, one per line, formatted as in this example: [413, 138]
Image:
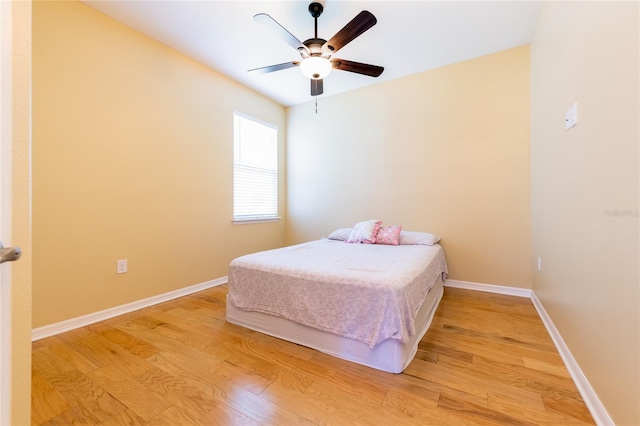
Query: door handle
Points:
[9, 254]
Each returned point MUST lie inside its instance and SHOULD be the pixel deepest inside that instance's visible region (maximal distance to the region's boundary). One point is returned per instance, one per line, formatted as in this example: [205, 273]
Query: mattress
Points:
[368, 303]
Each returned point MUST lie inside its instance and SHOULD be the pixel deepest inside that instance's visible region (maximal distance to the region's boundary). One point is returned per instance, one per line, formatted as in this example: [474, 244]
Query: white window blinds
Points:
[255, 170]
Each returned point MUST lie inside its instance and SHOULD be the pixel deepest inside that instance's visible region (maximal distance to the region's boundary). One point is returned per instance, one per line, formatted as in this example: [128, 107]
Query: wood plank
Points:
[244, 378]
[315, 408]
[557, 369]
[73, 416]
[46, 402]
[533, 410]
[421, 411]
[92, 401]
[224, 415]
[140, 399]
[174, 416]
[479, 414]
[126, 417]
[311, 369]
[191, 399]
[111, 354]
[131, 344]
[221, 390]
[568, 405]
[74, 353]
[522, 377]
[448, 377]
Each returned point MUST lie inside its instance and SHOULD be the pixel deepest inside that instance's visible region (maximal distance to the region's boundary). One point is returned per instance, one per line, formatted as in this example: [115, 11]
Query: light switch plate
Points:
[571, 117]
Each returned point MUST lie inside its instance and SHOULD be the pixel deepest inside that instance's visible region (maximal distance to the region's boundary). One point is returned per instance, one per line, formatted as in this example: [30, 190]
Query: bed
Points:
[366, 303]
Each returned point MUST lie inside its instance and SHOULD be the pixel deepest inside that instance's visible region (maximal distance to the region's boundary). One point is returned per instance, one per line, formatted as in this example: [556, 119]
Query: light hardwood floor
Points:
[487, 359]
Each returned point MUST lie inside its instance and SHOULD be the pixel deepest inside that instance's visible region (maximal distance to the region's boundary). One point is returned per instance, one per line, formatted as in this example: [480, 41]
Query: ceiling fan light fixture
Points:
[315, 67]
[316, 52]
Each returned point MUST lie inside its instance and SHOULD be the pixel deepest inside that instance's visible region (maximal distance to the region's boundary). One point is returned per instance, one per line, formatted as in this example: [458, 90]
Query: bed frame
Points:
[390, 355]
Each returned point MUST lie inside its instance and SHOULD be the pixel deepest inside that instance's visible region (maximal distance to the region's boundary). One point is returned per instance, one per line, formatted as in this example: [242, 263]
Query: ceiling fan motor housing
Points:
[315, 9]
[315, 46]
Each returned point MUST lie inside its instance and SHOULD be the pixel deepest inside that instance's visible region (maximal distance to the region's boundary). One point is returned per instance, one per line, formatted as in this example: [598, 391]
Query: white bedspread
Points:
[367, 292]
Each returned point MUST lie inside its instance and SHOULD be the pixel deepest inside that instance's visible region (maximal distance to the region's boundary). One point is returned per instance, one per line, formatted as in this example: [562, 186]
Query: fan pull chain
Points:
[316, 104]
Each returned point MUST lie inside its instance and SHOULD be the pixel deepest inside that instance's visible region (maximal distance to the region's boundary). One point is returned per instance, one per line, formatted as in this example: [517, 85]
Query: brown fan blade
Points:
[271, 24]
[357, 67]
[316, 87]
[272, 68]
[358, 25]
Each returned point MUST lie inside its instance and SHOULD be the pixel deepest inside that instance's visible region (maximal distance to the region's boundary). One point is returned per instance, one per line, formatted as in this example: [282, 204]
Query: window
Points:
[255, 170]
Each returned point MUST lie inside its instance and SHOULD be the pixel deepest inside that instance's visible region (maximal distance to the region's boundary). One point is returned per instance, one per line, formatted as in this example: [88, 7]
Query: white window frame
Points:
[255, 175]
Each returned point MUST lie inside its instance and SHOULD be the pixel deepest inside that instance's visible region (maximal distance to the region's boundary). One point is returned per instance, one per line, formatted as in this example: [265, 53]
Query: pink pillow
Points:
[389, 235]
[364, 232]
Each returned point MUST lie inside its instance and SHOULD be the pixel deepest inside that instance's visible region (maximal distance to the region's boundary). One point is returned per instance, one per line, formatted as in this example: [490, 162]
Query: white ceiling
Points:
[410, 36]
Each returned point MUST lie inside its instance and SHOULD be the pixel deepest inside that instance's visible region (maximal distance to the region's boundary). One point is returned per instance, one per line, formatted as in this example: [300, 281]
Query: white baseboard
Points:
[597, 410]
[489, 288]
[73, 323]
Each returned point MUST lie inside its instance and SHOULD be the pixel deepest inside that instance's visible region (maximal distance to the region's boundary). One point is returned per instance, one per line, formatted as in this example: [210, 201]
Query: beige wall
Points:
[132, 159]
[588, 52]
[445, 151]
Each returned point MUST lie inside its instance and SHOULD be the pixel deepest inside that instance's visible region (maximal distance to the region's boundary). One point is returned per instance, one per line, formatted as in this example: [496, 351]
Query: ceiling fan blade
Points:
[316, 87]
[280, 31]
[358, 25]
[357, 67]
[272, 68]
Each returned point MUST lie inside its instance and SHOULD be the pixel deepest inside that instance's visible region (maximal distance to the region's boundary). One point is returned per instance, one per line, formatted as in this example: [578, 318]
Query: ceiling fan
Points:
[317, 53]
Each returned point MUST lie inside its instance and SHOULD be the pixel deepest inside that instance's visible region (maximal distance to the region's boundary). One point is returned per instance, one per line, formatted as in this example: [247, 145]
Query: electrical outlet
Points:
[539, 264]
[121, 266]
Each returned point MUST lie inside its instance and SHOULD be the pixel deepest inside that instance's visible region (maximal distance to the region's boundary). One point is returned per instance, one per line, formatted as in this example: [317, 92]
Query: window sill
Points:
[255, 220]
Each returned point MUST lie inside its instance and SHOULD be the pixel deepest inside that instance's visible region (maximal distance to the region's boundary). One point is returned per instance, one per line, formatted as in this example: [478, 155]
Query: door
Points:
[5, 277]
[15, 199]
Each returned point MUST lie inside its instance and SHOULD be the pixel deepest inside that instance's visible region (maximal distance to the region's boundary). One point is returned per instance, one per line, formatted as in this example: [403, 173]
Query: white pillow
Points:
[340, 234]
[364, 232]
[422, 238]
